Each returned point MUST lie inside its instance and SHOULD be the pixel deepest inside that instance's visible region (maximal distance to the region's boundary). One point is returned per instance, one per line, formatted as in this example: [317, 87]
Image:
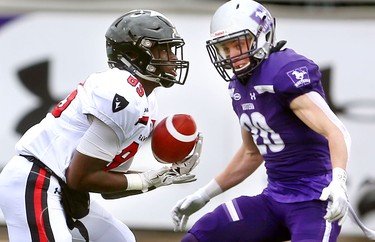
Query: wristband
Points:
[210, 190]
[134, 182]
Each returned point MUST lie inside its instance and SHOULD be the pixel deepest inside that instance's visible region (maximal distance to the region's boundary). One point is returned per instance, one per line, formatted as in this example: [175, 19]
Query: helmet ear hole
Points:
[268, 35]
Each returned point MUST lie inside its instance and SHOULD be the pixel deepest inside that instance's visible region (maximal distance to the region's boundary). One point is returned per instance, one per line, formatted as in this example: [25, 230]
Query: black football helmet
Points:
[129, 41]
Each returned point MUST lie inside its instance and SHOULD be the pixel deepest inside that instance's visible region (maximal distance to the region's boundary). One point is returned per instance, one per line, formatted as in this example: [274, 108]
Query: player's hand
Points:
[336, 193]
[189, 163]
[186, 207]
[163, 177]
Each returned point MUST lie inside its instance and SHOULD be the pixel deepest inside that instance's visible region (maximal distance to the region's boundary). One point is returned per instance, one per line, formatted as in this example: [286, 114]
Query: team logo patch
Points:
[119, 103]
[300, 76]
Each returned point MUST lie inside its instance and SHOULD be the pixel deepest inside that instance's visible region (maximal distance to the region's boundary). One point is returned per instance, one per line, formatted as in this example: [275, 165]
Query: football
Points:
[174, 138]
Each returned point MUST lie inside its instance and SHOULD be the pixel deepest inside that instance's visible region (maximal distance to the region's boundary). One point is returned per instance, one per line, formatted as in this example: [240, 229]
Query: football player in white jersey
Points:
[89, 139]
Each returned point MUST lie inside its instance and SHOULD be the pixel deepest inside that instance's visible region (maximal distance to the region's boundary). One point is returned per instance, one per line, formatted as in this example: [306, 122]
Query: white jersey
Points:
[116, 98]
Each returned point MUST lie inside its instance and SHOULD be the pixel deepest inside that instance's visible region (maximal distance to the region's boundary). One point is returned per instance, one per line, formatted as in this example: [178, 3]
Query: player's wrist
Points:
[339, 177]
[135, 182]
[210, 190]
[339, 174]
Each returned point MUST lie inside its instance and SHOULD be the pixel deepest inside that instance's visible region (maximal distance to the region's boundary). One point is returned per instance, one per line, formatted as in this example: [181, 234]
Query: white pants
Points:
[30, 202]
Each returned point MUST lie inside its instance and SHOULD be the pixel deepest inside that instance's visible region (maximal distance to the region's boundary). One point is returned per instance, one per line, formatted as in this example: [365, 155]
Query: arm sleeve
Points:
[99, 141]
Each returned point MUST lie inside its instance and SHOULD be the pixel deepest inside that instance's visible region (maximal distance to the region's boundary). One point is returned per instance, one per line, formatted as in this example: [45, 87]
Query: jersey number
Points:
[61, 106]
[138, 87]
[124, 156]
[256, 124]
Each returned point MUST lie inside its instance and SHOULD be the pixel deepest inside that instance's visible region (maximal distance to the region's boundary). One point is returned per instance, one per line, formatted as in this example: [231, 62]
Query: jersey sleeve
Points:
[297, 78]
[112, 101]
[99, 141]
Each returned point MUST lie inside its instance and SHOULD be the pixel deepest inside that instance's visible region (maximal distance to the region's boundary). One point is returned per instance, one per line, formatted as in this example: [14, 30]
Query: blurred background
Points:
[48, 46]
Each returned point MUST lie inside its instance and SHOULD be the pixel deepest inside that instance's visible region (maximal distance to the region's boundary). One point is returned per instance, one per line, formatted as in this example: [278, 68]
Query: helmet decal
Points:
[261, 16]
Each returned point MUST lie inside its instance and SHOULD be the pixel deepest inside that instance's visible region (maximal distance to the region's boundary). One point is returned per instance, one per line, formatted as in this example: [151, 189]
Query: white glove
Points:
[190, 162]
[164, 176]
[336, 193]
[156, 178]
[192, 203]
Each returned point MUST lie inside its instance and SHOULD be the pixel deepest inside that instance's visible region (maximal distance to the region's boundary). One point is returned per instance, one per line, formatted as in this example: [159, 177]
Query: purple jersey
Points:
[297, 158]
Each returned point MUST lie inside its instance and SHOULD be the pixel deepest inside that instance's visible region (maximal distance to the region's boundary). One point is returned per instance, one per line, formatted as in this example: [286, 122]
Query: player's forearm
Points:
[242, 165]
[100, 181]
[339, 146]
[124, 193]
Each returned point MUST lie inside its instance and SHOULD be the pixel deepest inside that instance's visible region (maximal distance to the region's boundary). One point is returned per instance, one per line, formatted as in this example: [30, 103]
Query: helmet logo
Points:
[261, 16]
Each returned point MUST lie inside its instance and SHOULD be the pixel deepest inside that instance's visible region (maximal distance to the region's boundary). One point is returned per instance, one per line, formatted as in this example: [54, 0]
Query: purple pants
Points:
[261, 219]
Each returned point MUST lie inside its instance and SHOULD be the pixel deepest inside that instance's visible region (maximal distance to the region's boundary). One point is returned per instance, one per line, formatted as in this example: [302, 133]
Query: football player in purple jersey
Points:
[87, 143]
[287, 125]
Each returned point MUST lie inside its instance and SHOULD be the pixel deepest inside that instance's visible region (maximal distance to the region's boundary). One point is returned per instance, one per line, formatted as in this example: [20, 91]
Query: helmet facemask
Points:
[227, 64]
[167, 64]
[250, 50]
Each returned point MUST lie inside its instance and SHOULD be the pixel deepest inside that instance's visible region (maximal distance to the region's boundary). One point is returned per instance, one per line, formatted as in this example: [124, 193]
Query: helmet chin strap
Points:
[147, 78]
[135, 72]
[245, 72]
[162, 82]
[165, 82]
